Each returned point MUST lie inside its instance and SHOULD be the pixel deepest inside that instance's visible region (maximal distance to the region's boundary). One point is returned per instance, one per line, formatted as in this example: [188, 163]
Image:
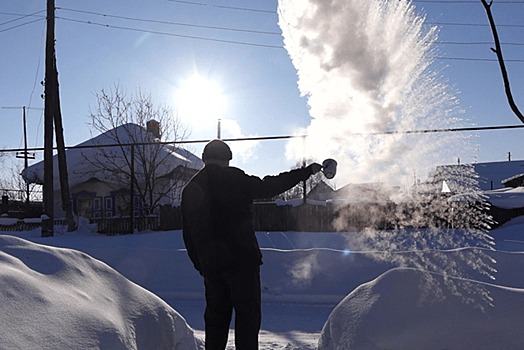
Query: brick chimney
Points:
[154, 128]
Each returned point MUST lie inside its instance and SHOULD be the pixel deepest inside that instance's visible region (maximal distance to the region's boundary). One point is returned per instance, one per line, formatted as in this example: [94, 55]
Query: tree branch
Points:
[498, 51]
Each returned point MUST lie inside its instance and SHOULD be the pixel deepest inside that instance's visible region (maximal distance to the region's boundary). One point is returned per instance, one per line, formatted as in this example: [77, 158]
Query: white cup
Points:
[329, 168]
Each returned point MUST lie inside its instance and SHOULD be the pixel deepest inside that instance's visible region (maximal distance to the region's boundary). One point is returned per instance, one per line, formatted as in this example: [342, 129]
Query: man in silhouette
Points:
[220, 239]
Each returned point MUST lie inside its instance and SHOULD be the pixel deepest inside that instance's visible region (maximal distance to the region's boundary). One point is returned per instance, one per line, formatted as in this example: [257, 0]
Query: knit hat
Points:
[218, 150]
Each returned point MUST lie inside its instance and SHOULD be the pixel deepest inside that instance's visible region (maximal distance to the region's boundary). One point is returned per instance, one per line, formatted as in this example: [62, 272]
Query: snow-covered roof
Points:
[513, 181]
[493, 173]
[80, 169]
[490, 174]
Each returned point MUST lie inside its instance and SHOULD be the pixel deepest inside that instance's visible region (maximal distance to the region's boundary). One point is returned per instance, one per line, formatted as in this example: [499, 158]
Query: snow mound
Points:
[388, 313]
[56, 298]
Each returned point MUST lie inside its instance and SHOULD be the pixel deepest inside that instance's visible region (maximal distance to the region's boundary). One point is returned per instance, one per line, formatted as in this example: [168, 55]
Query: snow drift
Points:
[389, 313]
[59, 298]
[56, 298]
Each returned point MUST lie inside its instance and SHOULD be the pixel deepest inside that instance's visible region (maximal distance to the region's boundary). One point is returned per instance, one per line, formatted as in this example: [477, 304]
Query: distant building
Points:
[98, 193]
[374, 192]
[491, 175]
[371, 192]
[514, 181]
[321, 192]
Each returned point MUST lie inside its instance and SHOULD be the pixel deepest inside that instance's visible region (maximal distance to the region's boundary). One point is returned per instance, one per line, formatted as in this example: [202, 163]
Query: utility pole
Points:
[25, 154]
[49, 111]
[304, 183]
[52, 116]
[132, 192]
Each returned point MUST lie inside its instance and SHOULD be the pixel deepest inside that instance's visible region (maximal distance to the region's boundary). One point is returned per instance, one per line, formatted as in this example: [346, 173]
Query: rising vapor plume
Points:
[367, 68]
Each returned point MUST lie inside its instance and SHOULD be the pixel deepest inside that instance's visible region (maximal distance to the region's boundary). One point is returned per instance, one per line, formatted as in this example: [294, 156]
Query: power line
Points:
[224, 7]
[242, 30]
[476, 43]
[268, 45]
[236, 29]
[19, 16]
[173, 34]
[252, 44]
[278, 33]
[171, 23]
[21, 25]
[262, 32]
[269, 138]
[464, 2]
[475, 24]
[476, 59]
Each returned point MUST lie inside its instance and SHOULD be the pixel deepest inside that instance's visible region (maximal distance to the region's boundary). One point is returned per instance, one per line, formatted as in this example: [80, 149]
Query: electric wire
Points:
[476, 43]
[475, 24]
[269, 45]
[21, 25]
[172, 34]
[251, 43]
[265, 138]
[477, 59]
[36, 81]
[224, 7]
[464, 2]
[470, 2]
[20, 16]
[261, 32]
[170, 23]
[244, 30]
[247, 30]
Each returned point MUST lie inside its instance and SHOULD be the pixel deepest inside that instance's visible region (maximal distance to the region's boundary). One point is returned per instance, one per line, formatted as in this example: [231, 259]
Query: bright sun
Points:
[200, 101]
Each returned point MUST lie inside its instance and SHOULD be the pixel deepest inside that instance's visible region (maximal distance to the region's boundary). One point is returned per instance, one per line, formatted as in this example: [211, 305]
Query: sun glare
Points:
[200, 101]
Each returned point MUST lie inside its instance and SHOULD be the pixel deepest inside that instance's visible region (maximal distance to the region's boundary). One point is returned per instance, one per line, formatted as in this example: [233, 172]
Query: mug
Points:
[329, 168]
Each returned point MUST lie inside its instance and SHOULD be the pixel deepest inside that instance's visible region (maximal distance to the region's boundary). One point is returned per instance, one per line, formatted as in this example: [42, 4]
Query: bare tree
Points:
[12, 184]
[138, 160]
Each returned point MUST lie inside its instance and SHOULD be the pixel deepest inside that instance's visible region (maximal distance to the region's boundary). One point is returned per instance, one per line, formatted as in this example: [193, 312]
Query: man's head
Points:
[217, 152]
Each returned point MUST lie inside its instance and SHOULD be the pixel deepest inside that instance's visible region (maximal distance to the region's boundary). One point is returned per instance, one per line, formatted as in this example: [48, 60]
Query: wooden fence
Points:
[270, 217]
[354, 217]
[305, 217]
[110, 227]
[20, 225]
[501, 215]
[121, 226]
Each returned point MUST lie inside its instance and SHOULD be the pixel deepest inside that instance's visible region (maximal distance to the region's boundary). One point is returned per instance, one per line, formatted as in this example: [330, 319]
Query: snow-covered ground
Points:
[315, 287]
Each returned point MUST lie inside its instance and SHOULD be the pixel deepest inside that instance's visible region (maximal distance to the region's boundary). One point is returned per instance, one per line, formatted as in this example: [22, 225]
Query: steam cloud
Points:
[365, 68]
[368, 70]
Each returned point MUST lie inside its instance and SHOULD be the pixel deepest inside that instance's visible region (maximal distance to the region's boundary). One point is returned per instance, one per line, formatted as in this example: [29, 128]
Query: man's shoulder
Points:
[192, 184]
[236, 171]
[239, 174]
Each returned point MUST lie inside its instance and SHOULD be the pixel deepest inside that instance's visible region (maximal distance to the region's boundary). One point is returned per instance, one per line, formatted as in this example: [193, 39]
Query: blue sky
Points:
[252, 72]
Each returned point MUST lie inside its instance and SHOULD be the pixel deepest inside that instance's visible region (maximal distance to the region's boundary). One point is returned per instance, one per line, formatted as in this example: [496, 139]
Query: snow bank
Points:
[55, 298]
[389, 313]
[62, 299]
[506, 198]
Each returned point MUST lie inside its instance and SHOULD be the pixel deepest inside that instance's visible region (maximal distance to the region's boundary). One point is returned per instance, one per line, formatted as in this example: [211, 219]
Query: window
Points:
[108, 207]
[109, 203]
[96, 203]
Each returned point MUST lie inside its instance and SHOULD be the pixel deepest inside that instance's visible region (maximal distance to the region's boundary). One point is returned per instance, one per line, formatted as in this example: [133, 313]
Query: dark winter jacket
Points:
[217, 221]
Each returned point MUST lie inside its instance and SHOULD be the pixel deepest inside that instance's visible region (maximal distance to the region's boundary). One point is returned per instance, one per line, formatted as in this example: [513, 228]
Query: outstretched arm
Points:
[271, 186]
